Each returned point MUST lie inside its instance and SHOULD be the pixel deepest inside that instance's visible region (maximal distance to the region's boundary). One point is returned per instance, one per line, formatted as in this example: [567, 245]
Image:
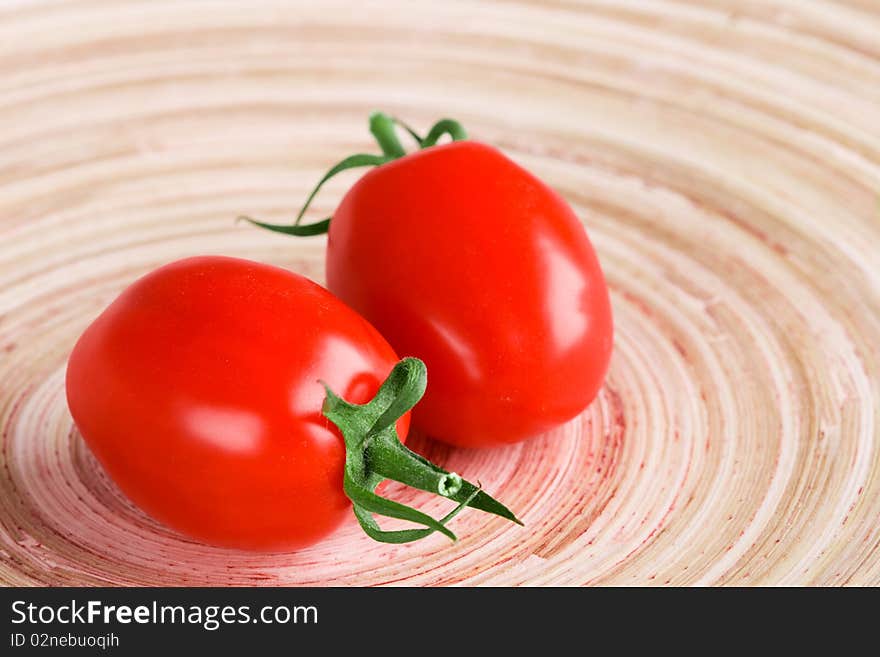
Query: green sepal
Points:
[374, 453]
[382, 128]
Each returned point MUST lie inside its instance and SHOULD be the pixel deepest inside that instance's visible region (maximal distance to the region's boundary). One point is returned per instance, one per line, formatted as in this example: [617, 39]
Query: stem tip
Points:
[449, 485]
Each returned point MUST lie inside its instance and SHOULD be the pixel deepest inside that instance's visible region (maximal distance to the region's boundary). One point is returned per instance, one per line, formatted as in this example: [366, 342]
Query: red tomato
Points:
[464, 259]
[197, 389]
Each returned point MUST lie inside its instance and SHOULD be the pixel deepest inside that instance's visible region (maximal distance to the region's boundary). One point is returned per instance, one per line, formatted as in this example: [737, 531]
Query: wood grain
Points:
[724, 155]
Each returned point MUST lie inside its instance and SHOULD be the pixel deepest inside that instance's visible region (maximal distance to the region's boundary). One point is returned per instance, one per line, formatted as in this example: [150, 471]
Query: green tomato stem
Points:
[373, 453]
[382, 127]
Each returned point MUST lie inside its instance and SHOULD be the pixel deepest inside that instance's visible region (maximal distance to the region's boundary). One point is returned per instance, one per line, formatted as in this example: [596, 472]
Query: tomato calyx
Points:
[374, 453]
[383, 128]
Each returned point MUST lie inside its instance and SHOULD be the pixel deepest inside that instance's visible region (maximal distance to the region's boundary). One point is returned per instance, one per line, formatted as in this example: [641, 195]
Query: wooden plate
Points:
[724, 156]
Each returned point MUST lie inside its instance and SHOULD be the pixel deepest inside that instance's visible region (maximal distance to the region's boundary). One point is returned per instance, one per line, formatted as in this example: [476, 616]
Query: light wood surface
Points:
[724, 155]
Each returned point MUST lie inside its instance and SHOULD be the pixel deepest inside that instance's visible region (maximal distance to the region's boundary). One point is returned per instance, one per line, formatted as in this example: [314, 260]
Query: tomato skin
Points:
[464, 259]
[197, 389]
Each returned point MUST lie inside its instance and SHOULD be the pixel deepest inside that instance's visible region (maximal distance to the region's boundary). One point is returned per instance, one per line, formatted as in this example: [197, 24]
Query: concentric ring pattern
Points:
[724, 156]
